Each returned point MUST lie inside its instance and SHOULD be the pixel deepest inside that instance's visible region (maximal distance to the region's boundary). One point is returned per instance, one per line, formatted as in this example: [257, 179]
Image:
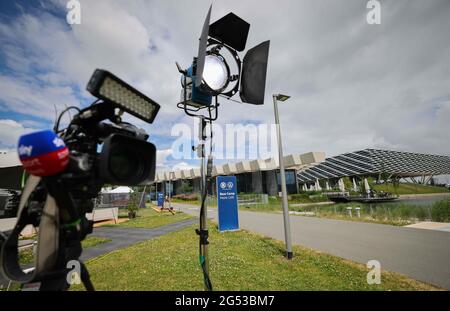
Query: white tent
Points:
[121, 189]
[9, 159]
[10, 171]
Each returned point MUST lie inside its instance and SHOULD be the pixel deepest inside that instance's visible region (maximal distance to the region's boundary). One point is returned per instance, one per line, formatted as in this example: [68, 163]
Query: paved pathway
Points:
[124, 237]
[431, 225]
[420, 254]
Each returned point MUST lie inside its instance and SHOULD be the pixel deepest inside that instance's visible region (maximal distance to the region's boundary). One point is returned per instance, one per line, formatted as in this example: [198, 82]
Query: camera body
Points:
[125, 157]
[95, 149]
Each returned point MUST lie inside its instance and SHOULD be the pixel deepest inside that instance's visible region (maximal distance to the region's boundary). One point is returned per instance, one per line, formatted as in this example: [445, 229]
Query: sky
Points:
[352, 85]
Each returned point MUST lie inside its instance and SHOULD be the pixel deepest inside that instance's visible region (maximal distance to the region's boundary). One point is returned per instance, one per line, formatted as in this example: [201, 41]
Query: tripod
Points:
[61, 230]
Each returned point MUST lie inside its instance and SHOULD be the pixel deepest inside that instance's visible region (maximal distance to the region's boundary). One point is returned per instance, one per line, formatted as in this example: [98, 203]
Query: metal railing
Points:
[243, 199]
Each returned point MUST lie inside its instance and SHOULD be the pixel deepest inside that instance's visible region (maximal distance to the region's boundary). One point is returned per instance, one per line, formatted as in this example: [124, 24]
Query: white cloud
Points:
[183, 166]
[353, 85]
[10, 131]
[33, 99]
[161, 157]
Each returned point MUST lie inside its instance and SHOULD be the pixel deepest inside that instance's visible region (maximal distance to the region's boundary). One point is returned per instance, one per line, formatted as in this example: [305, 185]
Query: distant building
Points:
[10, 171]
[418, 167]
[312, 171]
[253, 176]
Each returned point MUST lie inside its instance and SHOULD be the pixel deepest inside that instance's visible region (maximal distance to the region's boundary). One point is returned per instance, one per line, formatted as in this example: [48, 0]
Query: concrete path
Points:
[431, 225]
[420, 254]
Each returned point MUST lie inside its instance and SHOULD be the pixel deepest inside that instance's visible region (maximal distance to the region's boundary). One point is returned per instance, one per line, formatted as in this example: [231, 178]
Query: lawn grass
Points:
[238, 261]
[92, 241]
[404, 189]
[148, 218]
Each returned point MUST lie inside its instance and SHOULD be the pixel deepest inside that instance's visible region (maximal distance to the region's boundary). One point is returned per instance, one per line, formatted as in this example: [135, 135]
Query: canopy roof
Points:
[373, 162]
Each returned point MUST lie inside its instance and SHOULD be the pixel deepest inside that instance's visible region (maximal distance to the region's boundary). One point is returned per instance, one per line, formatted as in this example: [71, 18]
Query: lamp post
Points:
[170, 190]
[287, 226]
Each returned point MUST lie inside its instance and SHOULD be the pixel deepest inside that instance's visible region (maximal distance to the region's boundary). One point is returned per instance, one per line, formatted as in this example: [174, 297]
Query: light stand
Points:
[205, 171]
[210, 76]
[170, 190]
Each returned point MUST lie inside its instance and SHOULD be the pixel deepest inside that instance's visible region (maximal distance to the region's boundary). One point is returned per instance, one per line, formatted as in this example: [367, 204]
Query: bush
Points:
[132, 210]
[185, 187]
[273, 200]
[186, 197]
[441, 211]
[421, 214]
[318, 198]
[308, 197]
[299, 197]
[405, 212]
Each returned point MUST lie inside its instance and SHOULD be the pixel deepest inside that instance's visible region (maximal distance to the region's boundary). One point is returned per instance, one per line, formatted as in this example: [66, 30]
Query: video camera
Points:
[68, 169]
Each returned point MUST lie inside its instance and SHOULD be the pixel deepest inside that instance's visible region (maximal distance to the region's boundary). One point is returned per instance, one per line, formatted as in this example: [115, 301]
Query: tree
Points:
[185, 187]
[396, 184]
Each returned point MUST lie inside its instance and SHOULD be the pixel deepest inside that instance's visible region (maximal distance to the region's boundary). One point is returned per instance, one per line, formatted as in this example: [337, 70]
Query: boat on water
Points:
[372, 197]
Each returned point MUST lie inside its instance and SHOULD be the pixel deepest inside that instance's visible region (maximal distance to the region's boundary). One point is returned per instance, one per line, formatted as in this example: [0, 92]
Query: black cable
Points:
[56, 126]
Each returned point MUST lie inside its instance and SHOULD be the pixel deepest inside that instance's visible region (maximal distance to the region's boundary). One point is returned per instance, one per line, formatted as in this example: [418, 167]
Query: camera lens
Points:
[126, 160]
[125, 164]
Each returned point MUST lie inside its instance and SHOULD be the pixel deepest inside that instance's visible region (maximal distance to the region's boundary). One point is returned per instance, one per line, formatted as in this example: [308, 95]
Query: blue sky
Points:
[353, 85]
[20, 68]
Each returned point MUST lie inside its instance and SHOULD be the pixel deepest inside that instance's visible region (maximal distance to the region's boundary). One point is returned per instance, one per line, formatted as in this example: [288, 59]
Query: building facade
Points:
[255, 176]
[312, 170]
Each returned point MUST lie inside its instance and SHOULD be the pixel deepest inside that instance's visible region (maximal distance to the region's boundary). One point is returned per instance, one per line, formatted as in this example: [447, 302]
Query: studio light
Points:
[216, 73]
[218, 70]
[108, 87]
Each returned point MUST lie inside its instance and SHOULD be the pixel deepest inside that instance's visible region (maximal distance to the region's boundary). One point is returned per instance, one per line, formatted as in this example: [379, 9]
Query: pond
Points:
[425, 201]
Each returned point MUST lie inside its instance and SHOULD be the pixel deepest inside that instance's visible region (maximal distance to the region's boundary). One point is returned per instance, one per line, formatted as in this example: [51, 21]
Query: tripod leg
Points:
[85, 278]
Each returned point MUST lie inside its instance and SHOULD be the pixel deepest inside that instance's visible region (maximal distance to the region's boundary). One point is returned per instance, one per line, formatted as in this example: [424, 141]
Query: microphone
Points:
[43, 153]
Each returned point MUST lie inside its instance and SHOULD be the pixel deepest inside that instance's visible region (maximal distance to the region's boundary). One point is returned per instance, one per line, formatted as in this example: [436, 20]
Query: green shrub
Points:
[132, 208]
[421, 214]
[298, 197]
[441, 211]
[186, 197]
[404, 212]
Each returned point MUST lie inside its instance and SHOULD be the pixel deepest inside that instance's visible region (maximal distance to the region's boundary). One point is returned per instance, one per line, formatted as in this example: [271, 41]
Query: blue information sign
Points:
[227, 203]
[160, 199]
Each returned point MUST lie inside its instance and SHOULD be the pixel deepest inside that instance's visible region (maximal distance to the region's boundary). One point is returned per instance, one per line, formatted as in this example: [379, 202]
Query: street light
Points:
[170, 190]
[282, 98]
[287, 226]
